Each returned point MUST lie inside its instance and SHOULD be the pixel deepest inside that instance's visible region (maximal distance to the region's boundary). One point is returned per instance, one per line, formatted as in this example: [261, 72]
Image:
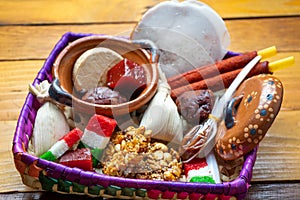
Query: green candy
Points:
[96, 156]
[202, 179]
[48, 156]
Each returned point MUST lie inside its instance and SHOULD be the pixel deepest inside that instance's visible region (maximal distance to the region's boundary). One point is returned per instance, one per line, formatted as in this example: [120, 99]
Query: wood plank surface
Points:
[10, 178]
[255, 8]
[30, 29]
[286, 191]
[14, 79]
[106, 11]
[261, 33]
[278, 154]
[36, 42]
[68, 11]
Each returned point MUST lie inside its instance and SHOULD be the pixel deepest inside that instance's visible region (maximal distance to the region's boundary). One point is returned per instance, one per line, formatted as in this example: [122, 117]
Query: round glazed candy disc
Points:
[258, 101]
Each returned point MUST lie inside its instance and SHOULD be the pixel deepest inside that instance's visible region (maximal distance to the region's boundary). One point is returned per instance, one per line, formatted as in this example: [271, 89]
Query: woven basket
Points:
[50, 176]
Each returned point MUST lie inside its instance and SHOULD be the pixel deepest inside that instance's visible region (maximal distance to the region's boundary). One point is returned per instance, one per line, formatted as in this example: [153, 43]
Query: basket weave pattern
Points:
[50, 176]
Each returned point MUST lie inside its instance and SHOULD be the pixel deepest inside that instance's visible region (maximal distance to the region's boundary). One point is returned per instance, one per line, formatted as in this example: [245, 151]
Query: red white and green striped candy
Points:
[204, 170]
[63, 145]
[97, 135]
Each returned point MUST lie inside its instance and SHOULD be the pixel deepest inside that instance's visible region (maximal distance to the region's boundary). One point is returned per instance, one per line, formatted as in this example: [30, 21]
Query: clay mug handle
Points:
[57, 93]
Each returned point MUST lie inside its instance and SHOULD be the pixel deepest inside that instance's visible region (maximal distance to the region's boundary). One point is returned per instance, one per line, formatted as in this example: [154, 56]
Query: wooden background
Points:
[30, 29]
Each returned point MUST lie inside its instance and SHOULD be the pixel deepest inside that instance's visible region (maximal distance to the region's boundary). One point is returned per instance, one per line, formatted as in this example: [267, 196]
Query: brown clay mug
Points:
[62, 87]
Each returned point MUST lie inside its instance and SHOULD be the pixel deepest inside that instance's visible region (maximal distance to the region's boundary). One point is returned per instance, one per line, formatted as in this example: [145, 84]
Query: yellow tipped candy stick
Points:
[281, 64]
[267, 52]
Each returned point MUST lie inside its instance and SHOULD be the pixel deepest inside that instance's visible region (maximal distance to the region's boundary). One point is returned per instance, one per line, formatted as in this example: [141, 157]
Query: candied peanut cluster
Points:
[132, 154]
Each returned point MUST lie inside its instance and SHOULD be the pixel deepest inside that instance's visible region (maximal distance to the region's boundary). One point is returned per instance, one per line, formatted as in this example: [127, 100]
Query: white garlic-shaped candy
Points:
[50, 126]
[161, 115]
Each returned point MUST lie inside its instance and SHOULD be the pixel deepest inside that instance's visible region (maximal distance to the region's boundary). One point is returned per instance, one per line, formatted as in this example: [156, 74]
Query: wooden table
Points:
[30, 29]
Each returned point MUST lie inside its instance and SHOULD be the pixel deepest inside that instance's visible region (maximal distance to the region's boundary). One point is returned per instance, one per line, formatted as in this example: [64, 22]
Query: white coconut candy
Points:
[91, 67]
[189, 34]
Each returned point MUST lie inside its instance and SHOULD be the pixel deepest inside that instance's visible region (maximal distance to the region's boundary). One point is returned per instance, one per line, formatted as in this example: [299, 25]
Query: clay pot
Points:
[62, 88]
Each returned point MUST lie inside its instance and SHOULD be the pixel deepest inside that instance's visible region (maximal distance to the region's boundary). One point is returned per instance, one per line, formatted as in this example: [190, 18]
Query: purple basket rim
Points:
[237, 187]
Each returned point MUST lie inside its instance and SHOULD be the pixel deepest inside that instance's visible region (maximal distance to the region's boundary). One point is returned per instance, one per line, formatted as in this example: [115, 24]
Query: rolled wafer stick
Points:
[220, 67]
[209, 71]
[214, 84]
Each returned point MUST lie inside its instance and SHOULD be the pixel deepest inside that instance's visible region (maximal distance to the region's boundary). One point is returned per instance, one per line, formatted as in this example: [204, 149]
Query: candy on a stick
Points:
[227, 78]
[220, 67]
[210, 125]
[212, 70]
[218, 112]
[220, 81]
[63, 145]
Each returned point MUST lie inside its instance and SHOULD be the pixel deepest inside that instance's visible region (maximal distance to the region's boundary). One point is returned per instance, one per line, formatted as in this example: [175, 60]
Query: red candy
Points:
[80, 158]
[128, 78]
[194, 164]
[101, 125]
[73, 137]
